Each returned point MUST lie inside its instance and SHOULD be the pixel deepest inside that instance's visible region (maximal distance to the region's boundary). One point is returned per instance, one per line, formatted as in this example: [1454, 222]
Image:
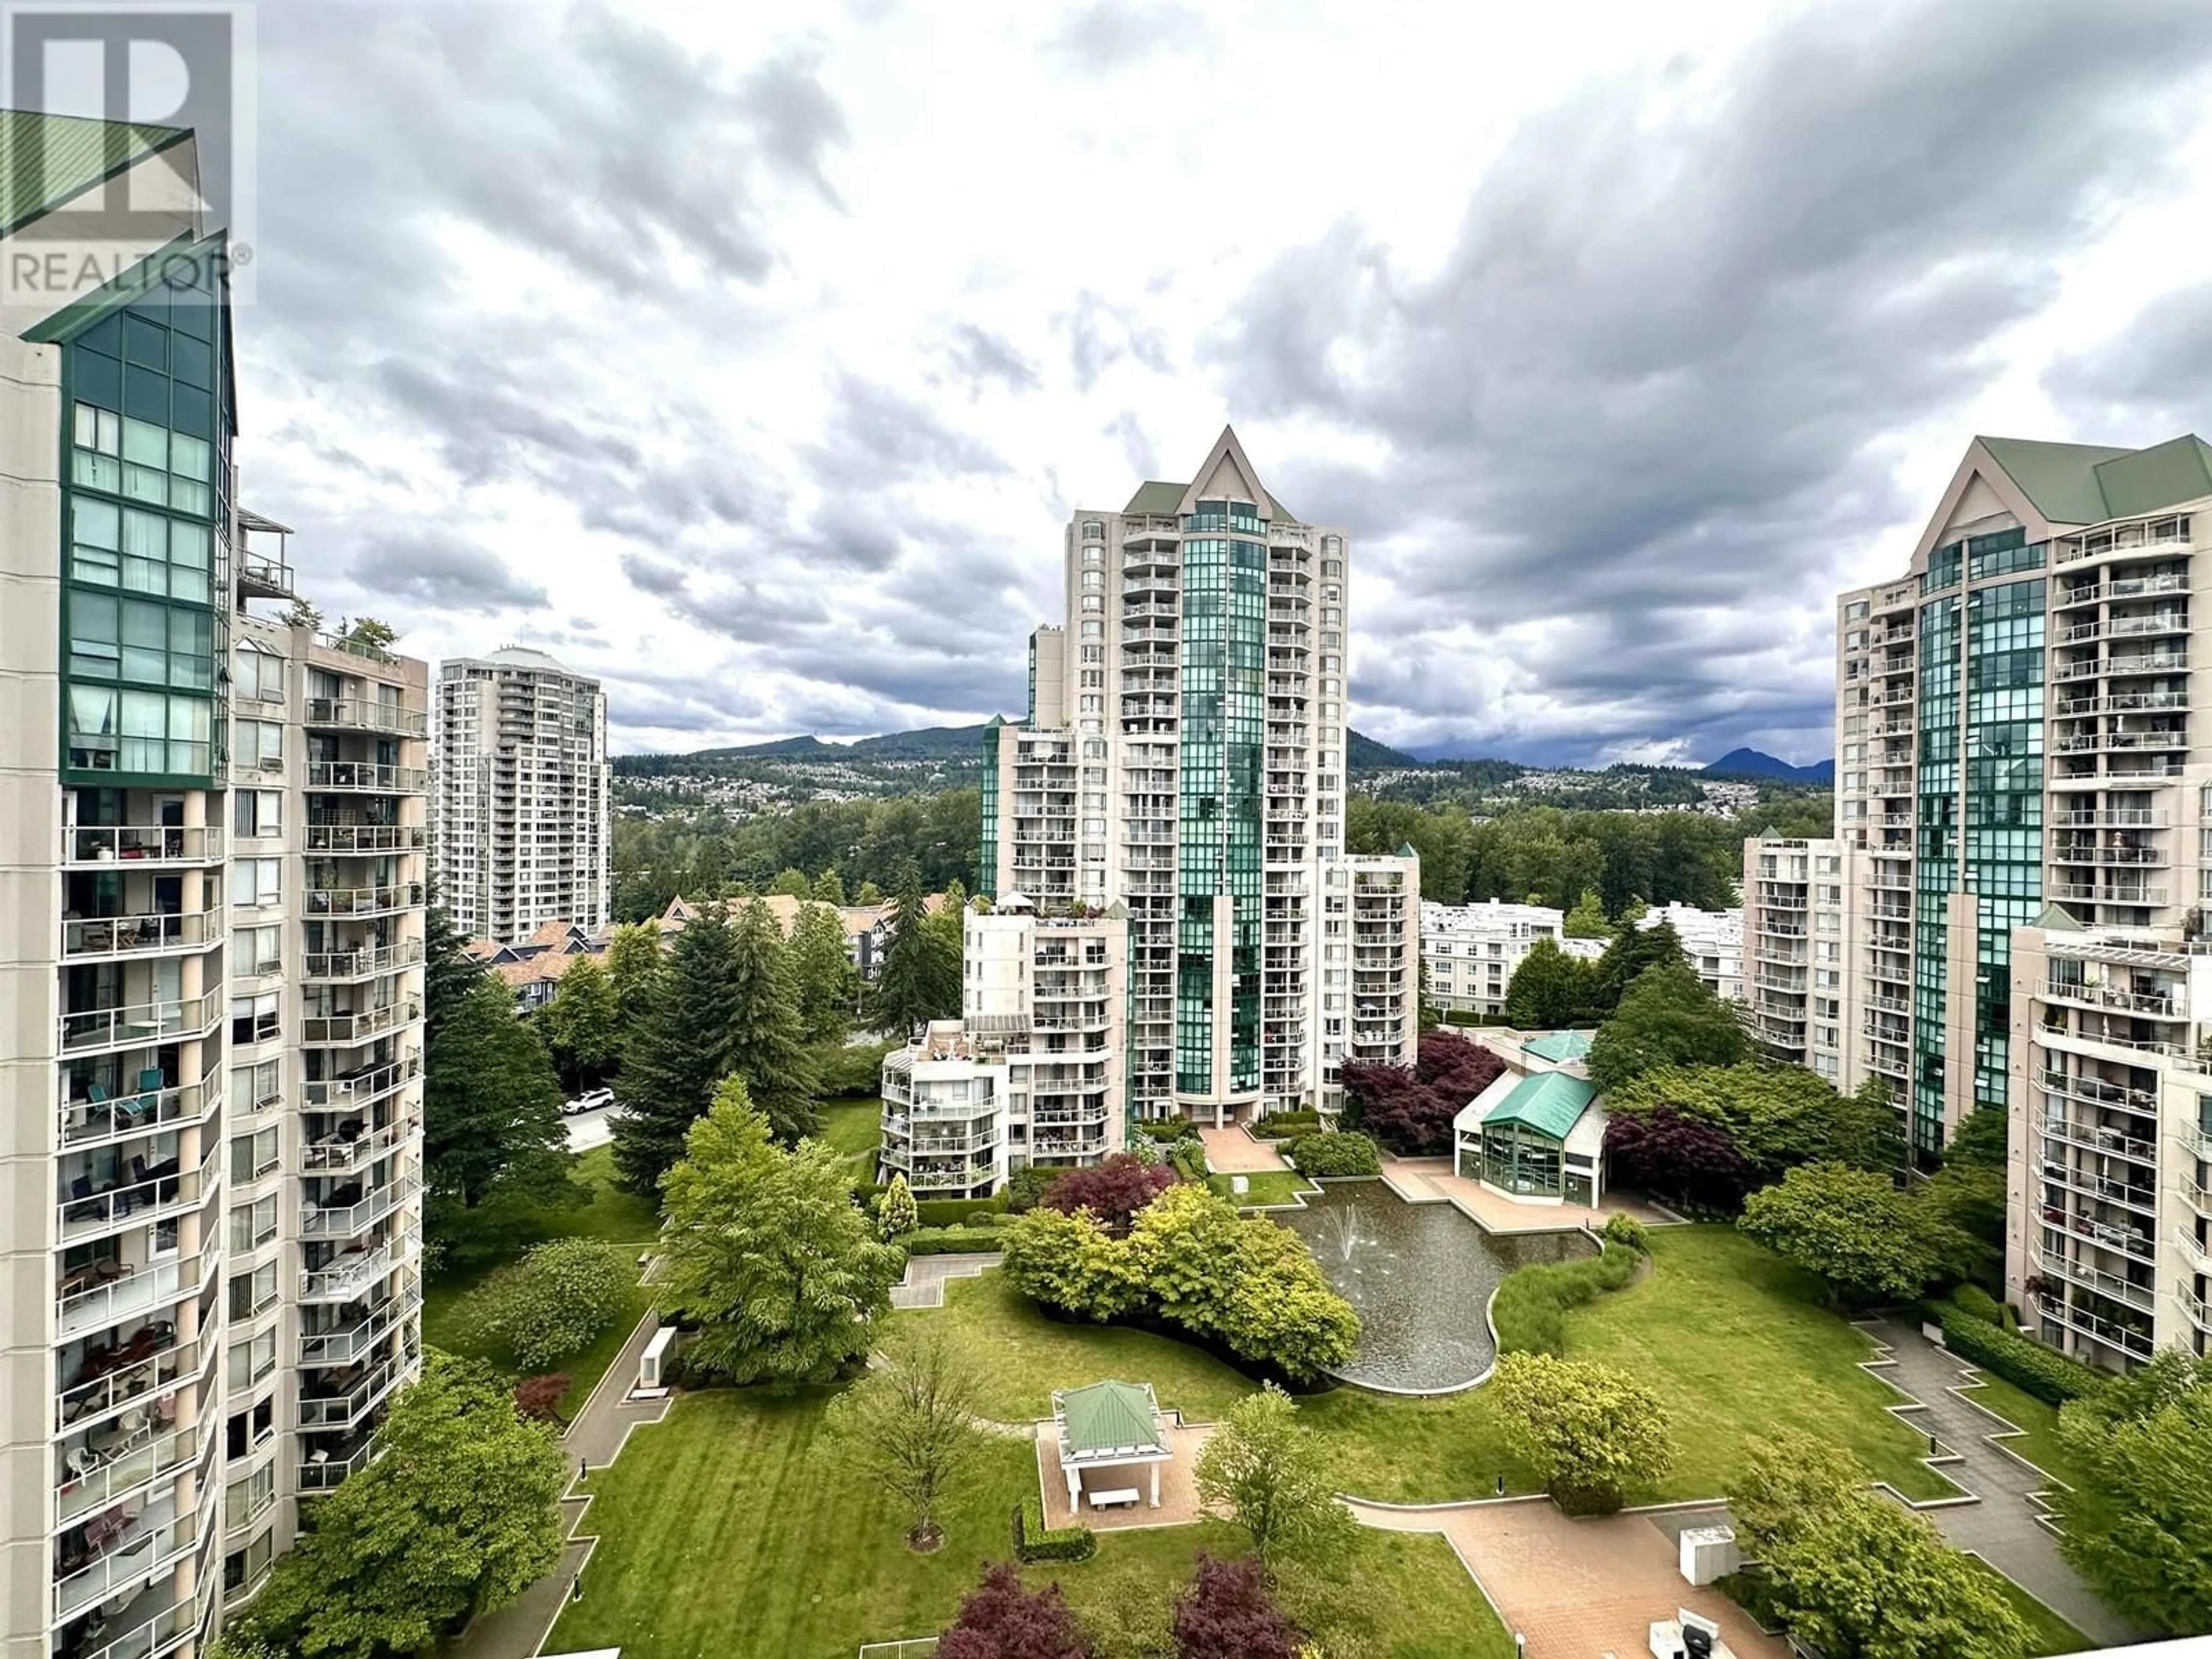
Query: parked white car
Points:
[590, 1101]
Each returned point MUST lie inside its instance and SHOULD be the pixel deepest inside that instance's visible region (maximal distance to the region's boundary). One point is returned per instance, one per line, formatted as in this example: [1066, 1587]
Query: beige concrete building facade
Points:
[170, 1235]
[523, 819]
[1183, 756]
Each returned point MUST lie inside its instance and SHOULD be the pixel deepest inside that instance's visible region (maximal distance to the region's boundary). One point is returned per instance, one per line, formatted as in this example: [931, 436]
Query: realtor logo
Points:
[115, 194]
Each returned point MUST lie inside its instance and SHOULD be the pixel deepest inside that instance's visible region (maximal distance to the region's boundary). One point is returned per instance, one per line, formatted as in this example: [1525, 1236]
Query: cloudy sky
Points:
[752, 358]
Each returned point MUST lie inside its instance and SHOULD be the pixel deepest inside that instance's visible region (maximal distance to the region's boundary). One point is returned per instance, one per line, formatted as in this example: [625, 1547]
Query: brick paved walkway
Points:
[1232, 1151]
[2004, 1523]
[1430, 1180]
[1575, 1588]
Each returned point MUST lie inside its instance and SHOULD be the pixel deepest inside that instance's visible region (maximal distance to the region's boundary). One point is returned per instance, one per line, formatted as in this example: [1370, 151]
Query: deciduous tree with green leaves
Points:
[912, 1425]
[1851, 1571]
[1667, 1017]
[458, 1516]
[1271, 1476]
[495, 1151]
[1869, 1242]
[1593, 1432]
[1633, 950]
[792, 884]
[582, 1026]
[766, 1252]
[2138, 1521]
[830, 887]
[1549, 990]
[824, 983]
[1587, 920]
[556, 1302]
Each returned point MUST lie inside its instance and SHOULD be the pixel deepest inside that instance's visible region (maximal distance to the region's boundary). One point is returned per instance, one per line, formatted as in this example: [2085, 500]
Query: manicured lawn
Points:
[732, 1529]
[1267, 1186]
[853, 1124]
[1023, 1355]
[2039, 1443]
[2053, 1635]
[619, 1216]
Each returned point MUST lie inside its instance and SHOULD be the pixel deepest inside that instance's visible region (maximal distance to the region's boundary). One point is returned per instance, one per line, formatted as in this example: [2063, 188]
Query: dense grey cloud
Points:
[443, 573]
[1645, 392]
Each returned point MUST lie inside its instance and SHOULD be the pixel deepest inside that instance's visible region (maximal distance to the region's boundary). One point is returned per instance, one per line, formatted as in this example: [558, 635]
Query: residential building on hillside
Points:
[524, 825]
[211, 841]
[1031, 1073]
[1713, 941]
[2015, 752]
[1472, 950]
[1183, 756]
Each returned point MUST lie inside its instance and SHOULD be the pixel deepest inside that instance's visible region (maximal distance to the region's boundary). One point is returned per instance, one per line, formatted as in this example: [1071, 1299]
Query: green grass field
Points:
[1267, 1186]
[2038, 1442]
[853, 1124]
[732, 1529]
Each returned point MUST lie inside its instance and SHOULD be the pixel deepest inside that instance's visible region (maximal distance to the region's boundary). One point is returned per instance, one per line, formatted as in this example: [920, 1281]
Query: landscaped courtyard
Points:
[731, 1529]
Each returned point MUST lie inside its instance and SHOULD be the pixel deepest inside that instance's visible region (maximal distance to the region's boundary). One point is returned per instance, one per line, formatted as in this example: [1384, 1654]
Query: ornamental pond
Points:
[1420, 1278]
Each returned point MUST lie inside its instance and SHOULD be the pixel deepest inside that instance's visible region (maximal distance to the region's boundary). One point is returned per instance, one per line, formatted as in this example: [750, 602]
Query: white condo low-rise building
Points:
[1713, 941]
[1471, 950]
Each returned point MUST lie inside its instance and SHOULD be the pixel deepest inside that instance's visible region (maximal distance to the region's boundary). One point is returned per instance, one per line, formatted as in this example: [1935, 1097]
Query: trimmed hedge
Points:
[2048, 1375]
[1188, 1159]
[1628, 1229]
[1335, 1152]
[1530, 1310]
[955, 1212]
[949, 1241]
[1166, 1130]
[1286, 1126]
[1033, 1541]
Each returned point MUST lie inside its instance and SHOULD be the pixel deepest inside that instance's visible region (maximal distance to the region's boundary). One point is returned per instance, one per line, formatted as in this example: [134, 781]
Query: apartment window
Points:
[255, 950]
[112, 638]
[1093, 580]
[250, 1293]
[1093, 530]
[1094, 555]
[1855, 610]
[258, 744]
[254, 1088]
[256, 674]
[249, 1361]
[253, 1019]
[253, 883]
[139, 552]
[242, 1568]
[255, 813]
[1094, 630]
[253, 1156]
[1093, 602]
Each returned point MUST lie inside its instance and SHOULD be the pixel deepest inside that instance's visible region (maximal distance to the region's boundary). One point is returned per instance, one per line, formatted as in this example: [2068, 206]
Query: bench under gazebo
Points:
[1109, 1425]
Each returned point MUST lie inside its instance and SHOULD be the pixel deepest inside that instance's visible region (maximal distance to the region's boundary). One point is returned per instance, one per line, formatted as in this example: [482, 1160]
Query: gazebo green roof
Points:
[1108, 1416]
[1559, 1045]
[1550, 1103]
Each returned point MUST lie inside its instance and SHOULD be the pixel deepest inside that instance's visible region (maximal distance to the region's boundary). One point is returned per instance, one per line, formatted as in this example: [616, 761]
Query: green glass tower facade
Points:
[1223, 667]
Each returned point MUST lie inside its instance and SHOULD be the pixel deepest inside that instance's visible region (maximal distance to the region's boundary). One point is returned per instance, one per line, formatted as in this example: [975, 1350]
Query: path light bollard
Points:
[583, 1468]
[576, 1588]
[1932, 1447]
[1501, 1486]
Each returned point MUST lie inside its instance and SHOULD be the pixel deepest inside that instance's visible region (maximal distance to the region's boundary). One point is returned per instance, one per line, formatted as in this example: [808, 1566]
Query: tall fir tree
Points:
[767, 1046]
[1633, 950]
[824, 984]
[638, 968]
[686, 1044]
[447, 973]
[921, 976]
[830, 887]
[494, 1150]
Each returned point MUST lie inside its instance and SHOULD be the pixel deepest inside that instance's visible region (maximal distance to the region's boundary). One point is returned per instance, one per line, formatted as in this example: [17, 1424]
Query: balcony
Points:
[2135, 1344]
[145, 847]
[323, 1471]
[138, 1024]
[114, 1464]
[343, 1345]
[151, 1627]
[343, 1408]
[369, 963]
[2118, 1289]
[89, 1123]
[145, 933]
[110, 1292]
[341, 1154]
[356, 1216]
[367, 777]
[362, 1088]
[2158, 1005]
[343, 839]
[115, 1552]
[113, 1376]
[366, 714]
[356, 1271]
[345, 1030]
[2135, 1243]
[364, 901]
[152, 1193]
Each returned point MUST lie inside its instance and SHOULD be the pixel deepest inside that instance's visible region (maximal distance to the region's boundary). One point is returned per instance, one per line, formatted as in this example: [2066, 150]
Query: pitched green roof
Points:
[1157, 497]
[2088, 483]
[1109, 1417]
[45, 159]
[2056, 919]
[1551, 1103]
[1559, 1045]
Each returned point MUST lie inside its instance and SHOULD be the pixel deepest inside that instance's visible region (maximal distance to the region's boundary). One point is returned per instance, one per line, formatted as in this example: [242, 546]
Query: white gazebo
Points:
[1107, 1425]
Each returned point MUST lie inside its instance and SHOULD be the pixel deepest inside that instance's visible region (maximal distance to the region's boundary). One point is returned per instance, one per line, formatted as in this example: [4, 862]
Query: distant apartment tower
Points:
[1797, 964]
[524, 796]
[1183, 756]
[1030, 1074]
[210, 877]
[2019, 804]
